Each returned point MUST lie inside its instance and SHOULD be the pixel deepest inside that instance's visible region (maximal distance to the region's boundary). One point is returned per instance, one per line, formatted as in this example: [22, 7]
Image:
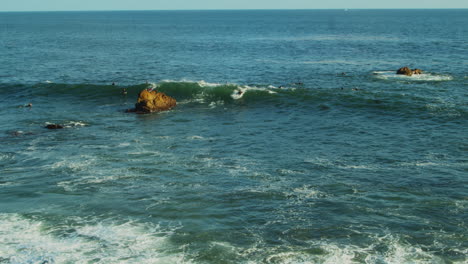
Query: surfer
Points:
[28, 105]
[113, 83]
[124, 91]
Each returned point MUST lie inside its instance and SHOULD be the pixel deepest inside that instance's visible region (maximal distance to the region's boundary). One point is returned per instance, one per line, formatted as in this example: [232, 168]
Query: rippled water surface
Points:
[293, 140]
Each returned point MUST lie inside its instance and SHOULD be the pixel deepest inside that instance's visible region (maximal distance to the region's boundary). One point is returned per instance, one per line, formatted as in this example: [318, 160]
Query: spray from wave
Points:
[424, 77]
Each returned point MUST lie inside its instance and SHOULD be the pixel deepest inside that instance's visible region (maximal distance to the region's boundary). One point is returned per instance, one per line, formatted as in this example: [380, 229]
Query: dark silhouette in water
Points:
[29, 105]
[54, 126]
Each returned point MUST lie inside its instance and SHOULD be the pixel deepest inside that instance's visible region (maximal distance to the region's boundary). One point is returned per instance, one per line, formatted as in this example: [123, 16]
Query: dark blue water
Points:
[328, 156]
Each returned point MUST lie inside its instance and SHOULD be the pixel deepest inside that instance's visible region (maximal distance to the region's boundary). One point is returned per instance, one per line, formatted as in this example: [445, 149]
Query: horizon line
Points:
[215, 9]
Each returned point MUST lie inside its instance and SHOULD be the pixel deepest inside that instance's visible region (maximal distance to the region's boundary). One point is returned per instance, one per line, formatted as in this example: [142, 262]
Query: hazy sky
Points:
[54, 5]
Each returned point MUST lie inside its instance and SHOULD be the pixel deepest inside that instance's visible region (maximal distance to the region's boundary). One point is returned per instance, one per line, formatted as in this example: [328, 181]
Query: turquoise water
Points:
[327, 157]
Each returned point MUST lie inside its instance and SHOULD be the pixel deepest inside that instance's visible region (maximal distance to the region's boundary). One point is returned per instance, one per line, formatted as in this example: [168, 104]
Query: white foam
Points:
[242, 90]
[216, 104]
[31, 241]
[7, 156]
[97, 177]
[152, 85]
[338, 164]
[308, 192]
[75, 124]
[24, 240]
[391, 75]
[201, 83]
[207, 84]
[196, 138]
[361, 167]
[320, 162]
[420, 164]
[398, 252]
[83, 162]
[333, 253]
[71, 124]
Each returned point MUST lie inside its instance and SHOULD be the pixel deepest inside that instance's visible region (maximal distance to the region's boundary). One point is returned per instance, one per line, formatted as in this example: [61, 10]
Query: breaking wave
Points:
[294, 95]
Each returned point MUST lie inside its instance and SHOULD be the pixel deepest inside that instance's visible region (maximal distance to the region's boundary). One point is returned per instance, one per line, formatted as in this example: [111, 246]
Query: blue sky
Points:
[55, 5]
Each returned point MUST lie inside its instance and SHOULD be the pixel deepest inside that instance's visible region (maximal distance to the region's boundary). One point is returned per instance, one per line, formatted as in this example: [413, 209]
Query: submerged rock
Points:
[54, 126]
[152, 101]
[408, 72]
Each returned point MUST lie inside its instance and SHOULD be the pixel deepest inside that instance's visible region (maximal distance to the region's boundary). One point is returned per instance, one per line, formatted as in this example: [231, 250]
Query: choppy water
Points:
[327, 157]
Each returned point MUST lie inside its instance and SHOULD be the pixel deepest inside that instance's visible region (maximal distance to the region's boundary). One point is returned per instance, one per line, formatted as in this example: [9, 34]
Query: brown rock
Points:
[405, 70]
[153, 101]
[417, 71]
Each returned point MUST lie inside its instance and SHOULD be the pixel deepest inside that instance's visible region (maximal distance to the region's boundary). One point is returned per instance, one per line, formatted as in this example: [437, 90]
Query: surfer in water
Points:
[27, 105]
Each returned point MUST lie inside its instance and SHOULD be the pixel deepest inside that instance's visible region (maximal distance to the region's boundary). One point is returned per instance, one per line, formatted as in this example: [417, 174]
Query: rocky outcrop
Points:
[405, 71]
[408, 72]
[152, 101]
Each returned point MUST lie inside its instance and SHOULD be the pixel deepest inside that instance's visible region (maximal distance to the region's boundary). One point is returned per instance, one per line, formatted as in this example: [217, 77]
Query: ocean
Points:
[326, 156]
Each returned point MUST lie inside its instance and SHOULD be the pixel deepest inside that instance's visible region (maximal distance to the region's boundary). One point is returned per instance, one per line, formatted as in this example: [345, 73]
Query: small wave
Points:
[427, 77]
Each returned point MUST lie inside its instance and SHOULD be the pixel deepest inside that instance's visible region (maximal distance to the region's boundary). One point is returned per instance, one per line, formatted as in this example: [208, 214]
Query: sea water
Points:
[293, 140]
